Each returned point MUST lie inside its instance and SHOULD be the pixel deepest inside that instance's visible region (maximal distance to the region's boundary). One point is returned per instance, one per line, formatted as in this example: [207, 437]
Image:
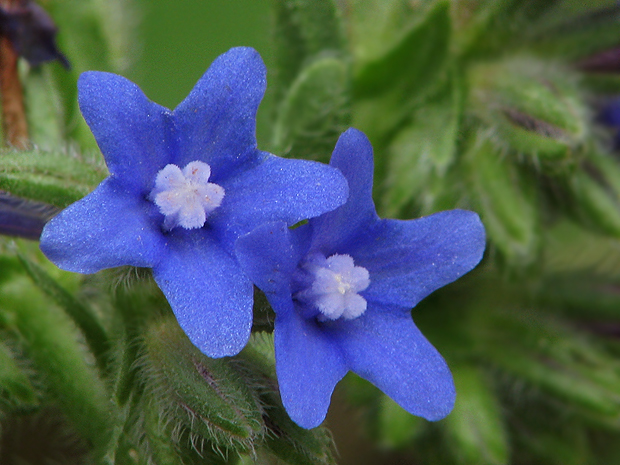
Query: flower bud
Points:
[207, 396]
[534, 107]
[165, 444]
[285, 440]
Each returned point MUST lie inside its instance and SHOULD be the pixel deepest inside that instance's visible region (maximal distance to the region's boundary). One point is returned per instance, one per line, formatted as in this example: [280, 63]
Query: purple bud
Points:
[23, 218]
[32, 33]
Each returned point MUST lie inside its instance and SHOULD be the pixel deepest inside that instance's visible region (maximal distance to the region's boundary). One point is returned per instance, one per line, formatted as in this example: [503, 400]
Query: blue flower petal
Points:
[133, 133]
[407, 260]
[208, 292]
[388, 350]
[308, 364]
[277, 189]
[269, 258]
[107, 228]
[216, 123]
[353, 157]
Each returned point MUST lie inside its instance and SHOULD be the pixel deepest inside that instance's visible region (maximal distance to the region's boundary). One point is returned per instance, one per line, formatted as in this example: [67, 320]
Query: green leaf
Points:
[80, 313]
[593, 194]
[55, 178]
[554, 358]
[79, 34]
[376, 27]
[50, 340]
[303, 30]
[158, 433]
[318, 23]
[505, 201]
[397, 428]
[413, 61]
[422, 152]
[590, 298]
[491, 27]
[569, 248]
[475, 429]
[562, 29]
[16, 389]
[206, 395]
[293, 444]
[552, 435]
[593, 205]
[314, 111]
[44, 109]
[573, 29]
[94, 35]
[119, 23]
[473, 25]
[289, 47]
[138, 302]
[9, 265]
[387, 89]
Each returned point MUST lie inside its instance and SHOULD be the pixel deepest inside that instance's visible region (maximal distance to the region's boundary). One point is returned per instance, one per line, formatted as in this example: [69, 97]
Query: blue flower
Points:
[343, 286]
[184, 185]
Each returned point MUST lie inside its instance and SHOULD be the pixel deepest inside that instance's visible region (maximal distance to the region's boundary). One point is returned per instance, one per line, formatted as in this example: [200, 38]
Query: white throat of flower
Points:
[186, 197]
[336, 283]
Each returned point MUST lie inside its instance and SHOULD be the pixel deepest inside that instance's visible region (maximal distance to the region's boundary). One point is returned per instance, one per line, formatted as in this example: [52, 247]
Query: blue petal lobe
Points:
[209, 295]
[353, 157]
[107, 228]
[387, 349]
[308, 364]
[277, 189]
[407, 260]
[217, 121]
[133, 133]
[269, 258]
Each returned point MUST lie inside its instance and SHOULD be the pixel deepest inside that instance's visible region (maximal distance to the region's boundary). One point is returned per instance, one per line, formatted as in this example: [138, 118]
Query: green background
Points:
[180, 38]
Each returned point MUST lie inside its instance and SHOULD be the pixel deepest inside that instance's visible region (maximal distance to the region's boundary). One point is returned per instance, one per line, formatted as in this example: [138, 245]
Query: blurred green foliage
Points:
[478, 104]
[176, 41]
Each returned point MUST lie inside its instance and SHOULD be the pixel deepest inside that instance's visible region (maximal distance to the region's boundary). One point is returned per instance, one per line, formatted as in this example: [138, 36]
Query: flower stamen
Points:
[335, 288]
[186, 197]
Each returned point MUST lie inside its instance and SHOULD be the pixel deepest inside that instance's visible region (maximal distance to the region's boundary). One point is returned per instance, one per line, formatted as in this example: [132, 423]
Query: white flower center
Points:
[335, 287]
[186, 197]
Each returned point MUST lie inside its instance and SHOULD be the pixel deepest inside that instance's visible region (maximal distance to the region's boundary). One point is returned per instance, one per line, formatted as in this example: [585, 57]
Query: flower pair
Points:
[190, 196]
